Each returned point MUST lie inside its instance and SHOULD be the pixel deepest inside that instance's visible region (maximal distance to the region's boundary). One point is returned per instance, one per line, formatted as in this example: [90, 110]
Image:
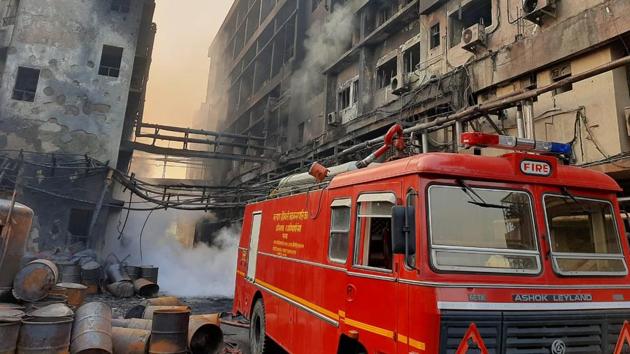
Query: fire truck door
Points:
[253, 246]
[371, 284]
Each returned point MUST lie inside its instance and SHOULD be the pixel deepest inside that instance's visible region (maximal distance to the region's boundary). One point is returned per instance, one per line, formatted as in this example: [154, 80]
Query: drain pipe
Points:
[528, 118]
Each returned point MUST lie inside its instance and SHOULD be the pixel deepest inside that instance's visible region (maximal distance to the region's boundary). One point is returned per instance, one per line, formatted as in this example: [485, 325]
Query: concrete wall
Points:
[75, 109]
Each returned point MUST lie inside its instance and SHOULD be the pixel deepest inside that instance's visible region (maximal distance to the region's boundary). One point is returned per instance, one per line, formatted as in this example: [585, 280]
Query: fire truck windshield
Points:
[497, 235]
[583, 236]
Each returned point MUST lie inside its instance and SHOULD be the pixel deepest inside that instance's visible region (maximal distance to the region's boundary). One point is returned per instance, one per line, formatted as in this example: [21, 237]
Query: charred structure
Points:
[73, 78]
[315, 83]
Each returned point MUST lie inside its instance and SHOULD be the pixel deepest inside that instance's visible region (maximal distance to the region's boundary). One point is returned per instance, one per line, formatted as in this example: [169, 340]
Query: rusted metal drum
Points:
[75, 293]
[34, 281]
[9, 332]
[205, 334]
[149, 311]
[137, 323]
[164, 301]
[150, 273]
[92, 331]
[117, 273]
[52, 311]
[121, 289]
[130, 340]
[134, 272]
[169, 333]
[69, 272]
[91, 276]
[6, 305]
[12, 249]
[49, 300]
[45, 336]
[11, 314]
[145, 288]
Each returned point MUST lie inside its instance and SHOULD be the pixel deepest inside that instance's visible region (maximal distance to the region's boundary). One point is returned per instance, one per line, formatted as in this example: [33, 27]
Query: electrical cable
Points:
[142, 232]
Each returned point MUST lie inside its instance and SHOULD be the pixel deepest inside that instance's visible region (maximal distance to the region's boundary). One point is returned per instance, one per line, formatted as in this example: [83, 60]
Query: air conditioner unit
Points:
[536, 10]
[399, 84]
[474, 37]
[333, 119]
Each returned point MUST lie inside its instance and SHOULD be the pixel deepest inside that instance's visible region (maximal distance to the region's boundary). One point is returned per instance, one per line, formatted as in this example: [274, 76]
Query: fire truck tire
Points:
[258, 341]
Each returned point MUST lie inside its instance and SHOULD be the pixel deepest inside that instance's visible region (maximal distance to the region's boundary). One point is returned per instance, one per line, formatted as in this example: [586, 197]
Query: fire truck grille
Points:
[514, 332]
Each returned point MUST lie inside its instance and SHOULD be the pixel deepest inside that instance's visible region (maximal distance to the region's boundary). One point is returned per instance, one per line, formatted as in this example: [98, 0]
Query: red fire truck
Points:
[439, 253]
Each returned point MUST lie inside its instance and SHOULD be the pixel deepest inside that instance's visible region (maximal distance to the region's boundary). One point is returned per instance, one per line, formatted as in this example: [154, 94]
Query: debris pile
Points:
[49, 316]
[56, 328]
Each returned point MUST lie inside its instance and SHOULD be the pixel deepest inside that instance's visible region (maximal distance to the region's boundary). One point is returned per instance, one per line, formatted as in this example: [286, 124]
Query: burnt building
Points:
[73, 78]
[316, 77]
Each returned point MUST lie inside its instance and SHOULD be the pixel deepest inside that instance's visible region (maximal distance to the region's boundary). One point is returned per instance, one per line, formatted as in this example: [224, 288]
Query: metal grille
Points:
[591, 332]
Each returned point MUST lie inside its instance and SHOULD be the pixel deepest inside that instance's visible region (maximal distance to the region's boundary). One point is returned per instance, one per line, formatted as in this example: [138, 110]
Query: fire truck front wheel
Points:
[258, 341]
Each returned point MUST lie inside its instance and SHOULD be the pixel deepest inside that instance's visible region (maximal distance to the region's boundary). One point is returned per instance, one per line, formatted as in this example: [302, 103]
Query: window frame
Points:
[438, 41]
[22, 95]
[484, 250]
[413, 195]
[330, 228]
[554, 256]
[357, 232]
[111, 69]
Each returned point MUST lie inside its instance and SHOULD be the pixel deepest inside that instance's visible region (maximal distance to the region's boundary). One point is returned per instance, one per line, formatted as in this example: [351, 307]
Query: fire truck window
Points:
[474, 229]
[583, 236]
[339, 233]
[374, 227]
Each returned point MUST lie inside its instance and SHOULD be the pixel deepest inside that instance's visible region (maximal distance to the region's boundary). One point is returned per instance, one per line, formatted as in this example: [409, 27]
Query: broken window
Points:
[355, 91]
[26, 84]
[121, 6]
[435, 36]
[478, 11]
[110, 61]
[79, 224]
[558, 73]
[411, 58]
[384, 14]
[301, 133]
[343, 99]
[386, 72]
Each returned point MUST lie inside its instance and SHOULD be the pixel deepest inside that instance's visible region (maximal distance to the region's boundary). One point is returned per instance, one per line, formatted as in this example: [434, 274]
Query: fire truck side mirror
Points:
[404, 230]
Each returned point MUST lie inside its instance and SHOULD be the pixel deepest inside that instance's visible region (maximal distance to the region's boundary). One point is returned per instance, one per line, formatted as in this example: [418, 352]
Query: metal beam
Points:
[157, 150]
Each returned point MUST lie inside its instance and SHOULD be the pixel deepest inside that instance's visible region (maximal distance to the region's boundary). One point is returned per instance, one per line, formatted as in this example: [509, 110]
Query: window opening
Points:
[478, 11]
[111, 60]
[26, 84]
[373, 241]
[386, 72]
[435, 36]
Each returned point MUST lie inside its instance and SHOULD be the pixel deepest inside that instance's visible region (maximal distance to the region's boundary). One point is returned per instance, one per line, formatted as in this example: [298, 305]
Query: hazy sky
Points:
[179, 72]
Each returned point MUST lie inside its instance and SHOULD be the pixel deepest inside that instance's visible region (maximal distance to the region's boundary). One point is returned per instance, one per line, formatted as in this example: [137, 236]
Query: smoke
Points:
[324, 43]
[202, 271]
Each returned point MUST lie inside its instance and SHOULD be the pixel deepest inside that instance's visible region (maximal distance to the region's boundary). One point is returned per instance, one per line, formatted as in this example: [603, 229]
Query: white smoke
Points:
[324, 43]
[202, 271]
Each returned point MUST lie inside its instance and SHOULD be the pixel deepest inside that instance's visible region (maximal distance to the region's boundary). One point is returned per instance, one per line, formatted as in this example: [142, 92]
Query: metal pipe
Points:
[520, 125]
[425, 143]
[528, 119]
[458, 132]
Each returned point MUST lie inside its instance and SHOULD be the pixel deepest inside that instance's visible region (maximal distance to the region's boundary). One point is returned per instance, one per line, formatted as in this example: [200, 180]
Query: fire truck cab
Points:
[440, 253]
